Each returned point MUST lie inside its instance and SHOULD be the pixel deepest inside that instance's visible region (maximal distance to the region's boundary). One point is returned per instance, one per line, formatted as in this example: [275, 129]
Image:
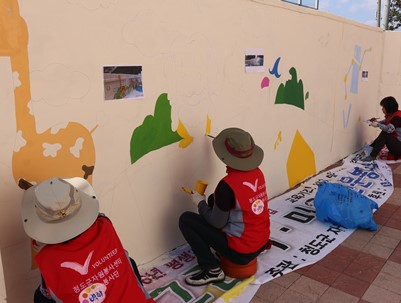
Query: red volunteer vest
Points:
[92, 267]
[248, 227]
[389, 118]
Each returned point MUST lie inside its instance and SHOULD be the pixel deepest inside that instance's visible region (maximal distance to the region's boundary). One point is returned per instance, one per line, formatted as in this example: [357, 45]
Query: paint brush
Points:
[187, 190]
[210, 136]
[371, 120]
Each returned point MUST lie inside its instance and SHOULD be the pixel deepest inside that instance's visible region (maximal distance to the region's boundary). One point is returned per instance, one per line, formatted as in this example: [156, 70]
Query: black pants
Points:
[201, 236]
[393, 145]
[40, 298]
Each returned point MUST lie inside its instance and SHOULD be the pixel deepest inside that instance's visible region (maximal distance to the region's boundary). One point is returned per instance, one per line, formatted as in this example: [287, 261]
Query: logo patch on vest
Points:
[94, 293]
[254, 187]
[257, 207]
[81, 269]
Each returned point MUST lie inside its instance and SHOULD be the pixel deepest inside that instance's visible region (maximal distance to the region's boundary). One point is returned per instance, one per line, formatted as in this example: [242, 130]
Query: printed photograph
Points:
[254, 60]
[122, 82]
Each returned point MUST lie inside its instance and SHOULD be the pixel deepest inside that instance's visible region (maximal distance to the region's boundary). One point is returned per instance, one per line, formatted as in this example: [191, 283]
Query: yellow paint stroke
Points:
[278, 140]
[186, 137]
[208, 125]
[301, 161]
[219, 294]
[237, 290]
[363, 56]
[30, 159]
[214, 291]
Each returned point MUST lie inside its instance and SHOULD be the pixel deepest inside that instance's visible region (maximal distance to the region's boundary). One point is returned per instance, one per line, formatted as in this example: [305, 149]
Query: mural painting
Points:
[278, 140]
[301, 161]
[353, 87]
[265, 82]
[354, 68]
[274, 70]
[292, 92]
[155, 131]
[208, 125]
[67, 148]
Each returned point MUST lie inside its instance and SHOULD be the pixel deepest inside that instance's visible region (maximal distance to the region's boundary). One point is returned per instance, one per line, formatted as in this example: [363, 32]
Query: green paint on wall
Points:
[155, 131]
[292, 92]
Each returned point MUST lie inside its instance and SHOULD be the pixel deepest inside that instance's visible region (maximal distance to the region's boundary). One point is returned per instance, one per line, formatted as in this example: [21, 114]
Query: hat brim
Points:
[67, 228]
[243, 164]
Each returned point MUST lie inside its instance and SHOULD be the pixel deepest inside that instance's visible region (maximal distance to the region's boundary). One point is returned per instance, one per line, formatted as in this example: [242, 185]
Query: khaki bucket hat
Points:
[236, 148]
[57, 209]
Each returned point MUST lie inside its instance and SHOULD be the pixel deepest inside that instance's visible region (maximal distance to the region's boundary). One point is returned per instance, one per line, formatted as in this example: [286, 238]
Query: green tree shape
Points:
[292, 92]
[155, 131]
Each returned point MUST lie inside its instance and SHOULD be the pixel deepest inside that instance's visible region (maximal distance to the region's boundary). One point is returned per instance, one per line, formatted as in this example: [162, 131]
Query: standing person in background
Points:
[235, 222]
[390, 135]
[81, 258]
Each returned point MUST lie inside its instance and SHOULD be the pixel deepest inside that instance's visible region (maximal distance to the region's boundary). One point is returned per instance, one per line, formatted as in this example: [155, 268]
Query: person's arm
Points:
[390, 128]
[218, 214]
[214, 216]
[42, 294]
[134, 267]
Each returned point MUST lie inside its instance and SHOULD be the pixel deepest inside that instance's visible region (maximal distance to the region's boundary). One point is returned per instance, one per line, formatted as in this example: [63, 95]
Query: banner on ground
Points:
[298, 238]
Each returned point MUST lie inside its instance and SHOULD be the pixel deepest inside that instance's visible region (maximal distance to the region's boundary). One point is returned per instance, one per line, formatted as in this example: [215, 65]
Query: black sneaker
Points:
[206, 276]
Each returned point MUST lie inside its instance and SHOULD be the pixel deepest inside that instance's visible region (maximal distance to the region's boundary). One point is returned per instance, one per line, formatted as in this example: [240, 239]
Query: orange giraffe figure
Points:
[65, 150]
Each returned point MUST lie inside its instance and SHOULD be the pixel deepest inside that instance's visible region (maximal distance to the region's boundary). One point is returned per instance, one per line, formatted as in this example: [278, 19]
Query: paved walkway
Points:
[366, 267]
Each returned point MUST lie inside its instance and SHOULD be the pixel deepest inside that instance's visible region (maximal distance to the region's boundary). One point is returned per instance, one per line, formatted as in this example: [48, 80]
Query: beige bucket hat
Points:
[236, 148]
[57, 209]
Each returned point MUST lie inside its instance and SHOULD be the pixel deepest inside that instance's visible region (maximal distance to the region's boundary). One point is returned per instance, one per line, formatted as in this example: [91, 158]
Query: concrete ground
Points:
[366, 267]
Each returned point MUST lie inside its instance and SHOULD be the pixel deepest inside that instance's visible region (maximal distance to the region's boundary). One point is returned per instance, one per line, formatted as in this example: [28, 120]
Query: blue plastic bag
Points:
[341, 205]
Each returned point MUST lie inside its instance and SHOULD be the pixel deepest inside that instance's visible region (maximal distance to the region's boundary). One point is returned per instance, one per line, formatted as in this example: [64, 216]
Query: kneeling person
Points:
[235, 221]
[81, 258]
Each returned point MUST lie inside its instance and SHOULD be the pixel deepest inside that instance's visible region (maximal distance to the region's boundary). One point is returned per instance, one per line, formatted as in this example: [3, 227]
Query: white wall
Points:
[390, 84]
[193, 51]
[2, 285]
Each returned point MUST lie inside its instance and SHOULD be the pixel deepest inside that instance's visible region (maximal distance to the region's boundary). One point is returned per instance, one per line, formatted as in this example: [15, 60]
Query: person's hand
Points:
[197, 197]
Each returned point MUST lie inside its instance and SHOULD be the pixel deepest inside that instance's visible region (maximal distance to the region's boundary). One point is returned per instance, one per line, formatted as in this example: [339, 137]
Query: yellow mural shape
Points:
[301, 161]
[208, 125]
[65, 150]
[182, 131]
[278, 140]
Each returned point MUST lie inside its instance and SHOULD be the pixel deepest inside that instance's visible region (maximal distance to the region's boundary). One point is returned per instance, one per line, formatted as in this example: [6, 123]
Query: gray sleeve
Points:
[214, 216]
[389, 128]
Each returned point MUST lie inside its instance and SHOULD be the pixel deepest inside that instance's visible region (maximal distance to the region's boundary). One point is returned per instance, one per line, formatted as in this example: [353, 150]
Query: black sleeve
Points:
[39, 297]
[136, 271]
[210, 200]
[224, 196]
[396, 121]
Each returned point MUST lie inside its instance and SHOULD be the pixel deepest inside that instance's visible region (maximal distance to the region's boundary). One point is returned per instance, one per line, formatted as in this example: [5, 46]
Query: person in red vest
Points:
[390, 135]
[235, 221]
[81, 258]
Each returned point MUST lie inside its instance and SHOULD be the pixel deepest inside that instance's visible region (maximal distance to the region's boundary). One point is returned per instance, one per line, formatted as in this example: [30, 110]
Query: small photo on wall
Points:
[365, 75]
[254, 60]
[122, 82]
